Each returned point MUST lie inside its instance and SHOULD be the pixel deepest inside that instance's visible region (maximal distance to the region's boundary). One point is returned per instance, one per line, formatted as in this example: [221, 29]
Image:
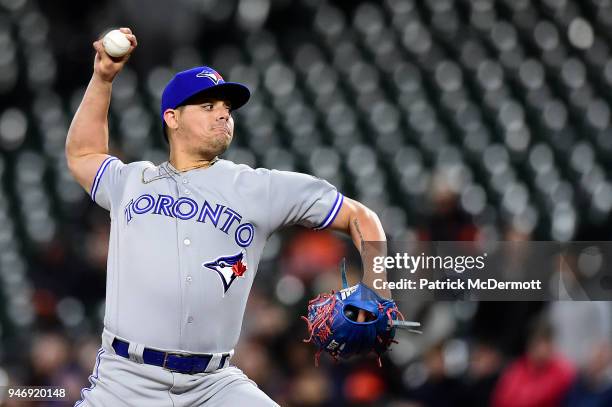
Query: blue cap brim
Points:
[235, 93]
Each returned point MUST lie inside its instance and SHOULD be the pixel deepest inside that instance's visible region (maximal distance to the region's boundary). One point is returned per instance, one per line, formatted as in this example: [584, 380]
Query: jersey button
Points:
[189, 320]
[185, 181]
[187, 192]
[187, 242]
[189, 278]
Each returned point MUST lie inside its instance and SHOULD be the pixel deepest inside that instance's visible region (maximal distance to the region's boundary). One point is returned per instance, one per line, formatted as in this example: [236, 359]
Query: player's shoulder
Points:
[138, 165]
[139, 168]
[243, 169]
[268, 173]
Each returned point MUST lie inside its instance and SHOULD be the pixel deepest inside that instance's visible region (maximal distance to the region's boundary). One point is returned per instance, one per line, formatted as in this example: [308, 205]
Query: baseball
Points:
[116, 43]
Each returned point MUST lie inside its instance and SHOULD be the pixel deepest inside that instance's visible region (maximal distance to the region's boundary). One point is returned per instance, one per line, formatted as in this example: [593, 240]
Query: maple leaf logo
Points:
[239, 269]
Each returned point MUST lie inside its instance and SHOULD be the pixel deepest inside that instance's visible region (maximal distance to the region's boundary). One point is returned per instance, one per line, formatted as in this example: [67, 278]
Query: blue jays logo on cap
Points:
[228, 268]
[212, 75]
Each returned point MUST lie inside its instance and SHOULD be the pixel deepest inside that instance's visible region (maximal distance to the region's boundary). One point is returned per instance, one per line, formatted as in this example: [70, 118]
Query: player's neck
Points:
[184, 162]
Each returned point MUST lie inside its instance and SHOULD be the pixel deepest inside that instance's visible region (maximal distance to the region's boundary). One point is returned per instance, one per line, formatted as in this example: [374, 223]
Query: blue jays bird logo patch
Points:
[228, 268]
[212, 75]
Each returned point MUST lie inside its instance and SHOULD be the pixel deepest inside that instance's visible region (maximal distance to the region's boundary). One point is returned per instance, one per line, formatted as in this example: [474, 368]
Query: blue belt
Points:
[172, 361]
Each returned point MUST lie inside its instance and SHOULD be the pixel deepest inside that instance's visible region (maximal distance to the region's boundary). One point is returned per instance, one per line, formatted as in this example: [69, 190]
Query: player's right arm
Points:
[87, 141]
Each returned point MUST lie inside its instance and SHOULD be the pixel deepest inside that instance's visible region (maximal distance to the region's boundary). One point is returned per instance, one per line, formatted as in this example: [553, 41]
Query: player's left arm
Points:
[366, 231]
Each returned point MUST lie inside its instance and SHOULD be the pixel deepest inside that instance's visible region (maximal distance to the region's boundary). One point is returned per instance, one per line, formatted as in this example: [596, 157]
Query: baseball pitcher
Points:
[185, 241]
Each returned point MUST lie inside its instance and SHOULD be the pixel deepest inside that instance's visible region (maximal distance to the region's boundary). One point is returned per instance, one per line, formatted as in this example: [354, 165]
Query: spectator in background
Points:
[447, 220]
[439, 390]
[571, 319]
[311, 387]
[503, 323]
[50, 366]
[593, 387]
[540, 378]
[310, 253]
[49, 356]
[483, 373]
[364, 384]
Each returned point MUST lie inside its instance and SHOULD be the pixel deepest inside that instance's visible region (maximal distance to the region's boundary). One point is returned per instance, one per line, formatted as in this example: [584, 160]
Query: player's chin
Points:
[221, 142]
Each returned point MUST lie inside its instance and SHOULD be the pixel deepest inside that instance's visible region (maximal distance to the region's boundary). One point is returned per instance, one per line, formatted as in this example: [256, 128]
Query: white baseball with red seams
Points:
[116, 44]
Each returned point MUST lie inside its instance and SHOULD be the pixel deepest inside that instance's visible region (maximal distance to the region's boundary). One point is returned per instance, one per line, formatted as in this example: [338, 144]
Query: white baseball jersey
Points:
[185, 246]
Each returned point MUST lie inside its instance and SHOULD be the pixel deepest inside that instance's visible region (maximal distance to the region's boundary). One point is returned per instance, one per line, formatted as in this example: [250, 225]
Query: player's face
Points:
[207, 125]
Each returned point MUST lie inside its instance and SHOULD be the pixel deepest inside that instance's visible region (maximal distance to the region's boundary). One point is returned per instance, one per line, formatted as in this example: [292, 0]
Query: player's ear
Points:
[171, 118]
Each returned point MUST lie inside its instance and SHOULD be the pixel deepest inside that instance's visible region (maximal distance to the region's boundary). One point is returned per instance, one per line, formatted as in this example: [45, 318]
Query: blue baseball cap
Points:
[201, 79]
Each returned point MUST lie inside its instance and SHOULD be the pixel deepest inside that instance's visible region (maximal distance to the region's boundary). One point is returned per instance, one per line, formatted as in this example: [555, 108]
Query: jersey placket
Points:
[186, 241]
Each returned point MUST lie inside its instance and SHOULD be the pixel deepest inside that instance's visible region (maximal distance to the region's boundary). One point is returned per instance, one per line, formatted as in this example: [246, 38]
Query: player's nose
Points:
[223, 113]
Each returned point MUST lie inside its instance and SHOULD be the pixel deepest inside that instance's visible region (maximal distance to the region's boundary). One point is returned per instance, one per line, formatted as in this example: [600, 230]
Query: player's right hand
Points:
[107, 67]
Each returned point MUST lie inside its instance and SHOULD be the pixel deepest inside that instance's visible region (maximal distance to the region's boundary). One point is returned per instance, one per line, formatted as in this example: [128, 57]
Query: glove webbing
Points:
[322, 322]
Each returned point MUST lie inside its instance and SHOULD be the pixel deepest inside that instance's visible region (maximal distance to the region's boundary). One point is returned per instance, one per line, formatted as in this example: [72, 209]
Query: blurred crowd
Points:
[471, 354]
[499, 354]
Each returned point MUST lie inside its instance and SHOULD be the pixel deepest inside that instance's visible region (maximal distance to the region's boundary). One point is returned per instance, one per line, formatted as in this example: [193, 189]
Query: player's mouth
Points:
[222, 129]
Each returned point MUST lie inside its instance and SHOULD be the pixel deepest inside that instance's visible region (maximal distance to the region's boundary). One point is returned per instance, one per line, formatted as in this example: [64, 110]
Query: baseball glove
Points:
[334, 326]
